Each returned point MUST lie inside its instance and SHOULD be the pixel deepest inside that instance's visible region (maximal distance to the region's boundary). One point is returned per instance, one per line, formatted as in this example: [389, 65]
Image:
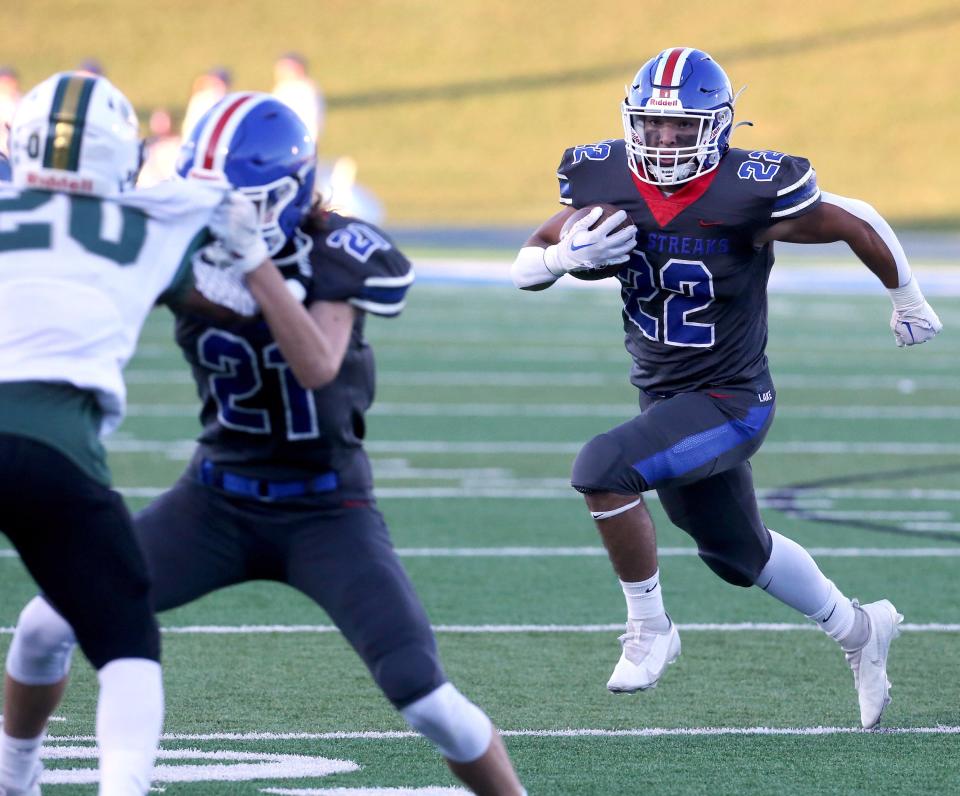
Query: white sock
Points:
[645, 602]
[129, 720]
[18, 760]
[793, 577]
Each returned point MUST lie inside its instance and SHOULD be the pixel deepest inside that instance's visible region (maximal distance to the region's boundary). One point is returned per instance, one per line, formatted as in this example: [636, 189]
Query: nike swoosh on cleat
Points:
[704, 223]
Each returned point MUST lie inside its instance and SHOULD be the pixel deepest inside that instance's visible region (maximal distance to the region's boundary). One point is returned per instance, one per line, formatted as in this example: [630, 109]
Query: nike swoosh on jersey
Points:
[705, 223]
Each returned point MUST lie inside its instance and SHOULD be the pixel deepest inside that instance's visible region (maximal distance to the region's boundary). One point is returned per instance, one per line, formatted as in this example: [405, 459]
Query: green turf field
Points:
[485, 395]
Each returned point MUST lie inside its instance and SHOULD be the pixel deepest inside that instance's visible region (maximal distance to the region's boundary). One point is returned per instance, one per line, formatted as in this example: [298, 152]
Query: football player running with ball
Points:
[280, 487]
[694, 289]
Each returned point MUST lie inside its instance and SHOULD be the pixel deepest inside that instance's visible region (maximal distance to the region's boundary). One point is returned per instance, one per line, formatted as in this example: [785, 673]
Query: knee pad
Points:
[458, 728]
[42, 645]
[600, 467]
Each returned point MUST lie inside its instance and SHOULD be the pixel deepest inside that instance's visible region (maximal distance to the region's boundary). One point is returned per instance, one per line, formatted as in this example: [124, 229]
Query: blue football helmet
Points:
[258, 145]
[677, 117]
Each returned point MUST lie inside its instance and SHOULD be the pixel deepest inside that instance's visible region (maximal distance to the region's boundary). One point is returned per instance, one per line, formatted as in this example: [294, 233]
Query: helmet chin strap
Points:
[676, 173]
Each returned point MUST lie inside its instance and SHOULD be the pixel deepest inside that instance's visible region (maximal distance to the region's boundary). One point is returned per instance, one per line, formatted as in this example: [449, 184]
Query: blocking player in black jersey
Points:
[695, 263]
[280, 487]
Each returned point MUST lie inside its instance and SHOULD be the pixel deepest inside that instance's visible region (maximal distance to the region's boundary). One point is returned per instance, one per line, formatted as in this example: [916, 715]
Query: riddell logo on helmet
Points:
[52, 183]
[664, 103]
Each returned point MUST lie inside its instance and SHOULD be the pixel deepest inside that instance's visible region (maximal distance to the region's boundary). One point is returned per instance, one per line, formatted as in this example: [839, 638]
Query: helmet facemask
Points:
[271, 200]
[695, 142]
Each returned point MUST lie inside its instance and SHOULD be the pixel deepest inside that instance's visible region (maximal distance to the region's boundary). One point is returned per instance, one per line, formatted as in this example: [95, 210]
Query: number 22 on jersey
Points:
[690, 287]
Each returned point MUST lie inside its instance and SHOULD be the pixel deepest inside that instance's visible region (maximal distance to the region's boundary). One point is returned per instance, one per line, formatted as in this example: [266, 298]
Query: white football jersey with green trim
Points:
[79, 274]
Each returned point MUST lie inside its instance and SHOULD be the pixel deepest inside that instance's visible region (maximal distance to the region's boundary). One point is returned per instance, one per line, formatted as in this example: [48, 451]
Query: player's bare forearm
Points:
[548, 232]
[312, 356]
[829, 222]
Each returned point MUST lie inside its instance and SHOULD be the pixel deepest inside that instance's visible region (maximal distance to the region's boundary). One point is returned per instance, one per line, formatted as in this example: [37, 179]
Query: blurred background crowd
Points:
[457, 114]
[292, 84]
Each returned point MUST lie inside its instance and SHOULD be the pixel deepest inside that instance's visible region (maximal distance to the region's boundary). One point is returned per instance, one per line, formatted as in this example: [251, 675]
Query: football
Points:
[592, 274]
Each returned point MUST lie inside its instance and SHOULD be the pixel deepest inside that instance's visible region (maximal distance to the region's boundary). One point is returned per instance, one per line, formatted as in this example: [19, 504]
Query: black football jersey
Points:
[257, 419]
[695, 289]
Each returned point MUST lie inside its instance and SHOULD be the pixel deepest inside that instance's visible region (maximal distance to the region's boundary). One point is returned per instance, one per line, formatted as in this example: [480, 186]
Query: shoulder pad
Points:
[357, 262]
[172, 198]
[787, 182]
[580, 164]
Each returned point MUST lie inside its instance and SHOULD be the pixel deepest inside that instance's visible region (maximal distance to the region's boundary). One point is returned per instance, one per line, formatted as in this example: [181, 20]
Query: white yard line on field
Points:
[406, 791]
[831, 274]
[184, 448]
[663, 552]
[710, 627]
[859, 514]
[805, 499]
[949, 527]
[859, 493]
[585, 732]
[399, 409]
[817, 447]
[614, 411]
[453, 378]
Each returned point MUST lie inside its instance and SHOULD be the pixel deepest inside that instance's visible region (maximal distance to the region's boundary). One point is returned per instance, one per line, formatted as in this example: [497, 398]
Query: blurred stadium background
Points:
[456, 114]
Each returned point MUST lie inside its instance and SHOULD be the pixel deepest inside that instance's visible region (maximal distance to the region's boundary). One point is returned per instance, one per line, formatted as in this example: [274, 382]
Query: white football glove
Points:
[583, 248]
[236, 227]
[913, 320]
[216, 281]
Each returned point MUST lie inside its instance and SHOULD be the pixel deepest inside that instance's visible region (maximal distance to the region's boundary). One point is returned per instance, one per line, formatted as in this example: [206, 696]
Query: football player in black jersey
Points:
[280, 487]
[695, 264]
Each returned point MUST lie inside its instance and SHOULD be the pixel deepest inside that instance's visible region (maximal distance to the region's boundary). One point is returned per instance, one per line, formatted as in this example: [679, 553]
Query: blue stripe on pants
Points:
[698, 449]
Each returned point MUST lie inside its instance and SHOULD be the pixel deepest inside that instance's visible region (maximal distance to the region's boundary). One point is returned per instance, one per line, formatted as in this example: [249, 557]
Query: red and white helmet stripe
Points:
[218, 130]
[670, 69]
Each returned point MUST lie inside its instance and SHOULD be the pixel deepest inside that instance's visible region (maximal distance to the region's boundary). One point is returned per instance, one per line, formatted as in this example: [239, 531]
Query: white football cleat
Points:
[646, 655]
[869, 663]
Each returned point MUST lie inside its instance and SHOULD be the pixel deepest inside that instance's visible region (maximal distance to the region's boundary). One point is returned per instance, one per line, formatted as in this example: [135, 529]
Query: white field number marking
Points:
[218, 766]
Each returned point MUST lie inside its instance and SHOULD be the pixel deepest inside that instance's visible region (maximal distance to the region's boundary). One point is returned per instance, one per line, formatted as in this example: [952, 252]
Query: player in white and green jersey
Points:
[83, 258]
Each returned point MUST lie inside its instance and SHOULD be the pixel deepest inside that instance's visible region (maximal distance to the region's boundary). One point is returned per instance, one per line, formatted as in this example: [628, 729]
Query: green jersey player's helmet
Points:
[78, 133]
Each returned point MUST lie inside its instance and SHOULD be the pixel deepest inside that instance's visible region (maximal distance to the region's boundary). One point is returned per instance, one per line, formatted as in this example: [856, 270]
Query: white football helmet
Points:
[77, 133]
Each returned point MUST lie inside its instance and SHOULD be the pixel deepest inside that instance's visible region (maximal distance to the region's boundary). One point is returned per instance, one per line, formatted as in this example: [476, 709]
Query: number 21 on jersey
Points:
[690, 285]
[237, 378]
